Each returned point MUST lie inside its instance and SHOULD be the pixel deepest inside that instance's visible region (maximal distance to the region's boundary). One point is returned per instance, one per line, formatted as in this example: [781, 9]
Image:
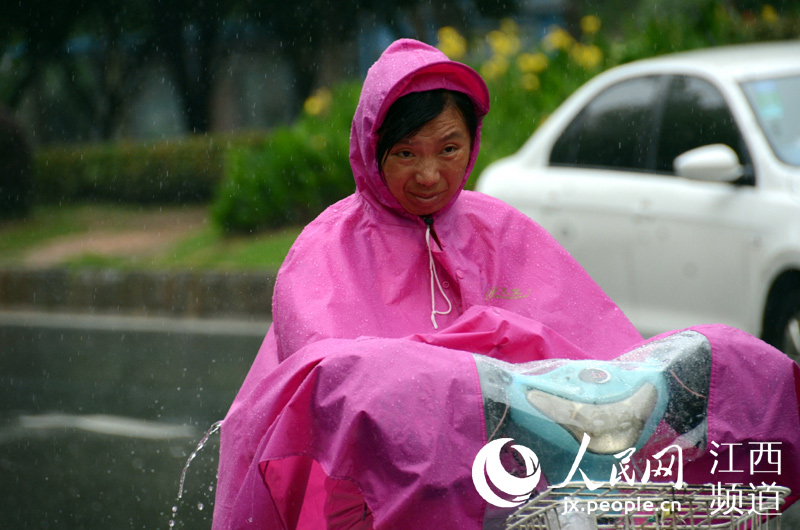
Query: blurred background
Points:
[157, 160]
[245, 106]
[174, 103]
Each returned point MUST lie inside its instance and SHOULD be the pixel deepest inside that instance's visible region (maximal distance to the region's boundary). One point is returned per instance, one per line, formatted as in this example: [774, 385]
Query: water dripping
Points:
[214, 428]
[210, 432]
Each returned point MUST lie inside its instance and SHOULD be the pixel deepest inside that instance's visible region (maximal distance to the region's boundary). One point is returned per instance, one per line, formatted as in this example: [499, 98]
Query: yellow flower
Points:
[493, 68]
[509, 26]
[530, 82]
[532, 62]
[451, 43]
[319, 102]
[558, 38]
[590, 24]
[769, 14]
[587, 56]
[502, 43]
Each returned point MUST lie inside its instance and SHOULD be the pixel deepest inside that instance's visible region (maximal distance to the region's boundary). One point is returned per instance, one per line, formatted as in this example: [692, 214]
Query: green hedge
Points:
[296, 173]
[181, 170]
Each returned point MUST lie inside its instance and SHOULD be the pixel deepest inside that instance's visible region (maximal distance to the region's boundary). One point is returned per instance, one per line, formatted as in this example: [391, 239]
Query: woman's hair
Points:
[411, 112]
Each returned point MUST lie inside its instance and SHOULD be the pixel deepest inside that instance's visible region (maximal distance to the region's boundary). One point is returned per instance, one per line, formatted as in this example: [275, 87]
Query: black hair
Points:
[411, 112]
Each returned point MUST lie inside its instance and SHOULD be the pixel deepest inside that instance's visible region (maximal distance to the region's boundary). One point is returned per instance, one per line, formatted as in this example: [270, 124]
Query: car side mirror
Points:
[713, 163]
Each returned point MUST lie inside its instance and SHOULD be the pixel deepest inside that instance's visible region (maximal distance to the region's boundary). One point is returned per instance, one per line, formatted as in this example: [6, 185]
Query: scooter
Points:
[595, 431]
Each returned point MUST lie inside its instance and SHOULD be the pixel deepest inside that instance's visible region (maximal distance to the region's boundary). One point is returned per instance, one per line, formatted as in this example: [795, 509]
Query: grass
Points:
[209, 249]
[17, 236]
[160, 238]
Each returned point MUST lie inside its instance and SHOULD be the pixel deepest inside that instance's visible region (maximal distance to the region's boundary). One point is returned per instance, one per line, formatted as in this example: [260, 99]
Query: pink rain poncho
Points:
[365, 389]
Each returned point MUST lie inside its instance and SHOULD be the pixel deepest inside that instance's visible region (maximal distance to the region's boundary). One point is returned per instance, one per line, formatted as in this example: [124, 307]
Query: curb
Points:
[146, 293]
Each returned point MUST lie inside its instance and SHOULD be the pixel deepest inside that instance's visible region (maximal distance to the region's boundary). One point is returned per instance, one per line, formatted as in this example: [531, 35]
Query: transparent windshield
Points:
[777, 107]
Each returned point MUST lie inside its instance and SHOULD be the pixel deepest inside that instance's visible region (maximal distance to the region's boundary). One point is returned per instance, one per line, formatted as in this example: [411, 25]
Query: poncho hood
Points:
[406, 66]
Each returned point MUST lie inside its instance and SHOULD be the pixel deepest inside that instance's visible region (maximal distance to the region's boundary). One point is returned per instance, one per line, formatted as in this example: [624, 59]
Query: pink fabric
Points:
[352, 340]
[401, 418]
[361, 268]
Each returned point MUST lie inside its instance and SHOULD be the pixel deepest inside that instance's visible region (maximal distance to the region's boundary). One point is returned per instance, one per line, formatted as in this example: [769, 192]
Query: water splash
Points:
[210, 432]
[214, 428]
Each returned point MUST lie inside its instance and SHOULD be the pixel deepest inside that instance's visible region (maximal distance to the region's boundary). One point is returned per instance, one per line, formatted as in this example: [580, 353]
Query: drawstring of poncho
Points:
[434, 276]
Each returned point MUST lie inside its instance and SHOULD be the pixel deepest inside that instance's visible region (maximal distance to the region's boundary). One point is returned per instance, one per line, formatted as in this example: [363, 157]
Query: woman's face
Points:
[424, 171]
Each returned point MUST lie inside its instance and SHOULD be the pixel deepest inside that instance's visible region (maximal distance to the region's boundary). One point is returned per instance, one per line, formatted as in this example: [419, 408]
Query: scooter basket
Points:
[651, 506]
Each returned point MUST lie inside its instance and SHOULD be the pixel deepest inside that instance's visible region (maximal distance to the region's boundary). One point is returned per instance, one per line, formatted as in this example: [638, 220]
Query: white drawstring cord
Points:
[435, 277]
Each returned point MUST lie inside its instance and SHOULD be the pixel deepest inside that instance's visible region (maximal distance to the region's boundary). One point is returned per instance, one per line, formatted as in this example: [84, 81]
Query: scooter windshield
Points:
[641, 402]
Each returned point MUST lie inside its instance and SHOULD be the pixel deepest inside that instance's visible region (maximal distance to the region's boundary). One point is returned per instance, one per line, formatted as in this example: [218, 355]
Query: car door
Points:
[595, 181]
[693, 240]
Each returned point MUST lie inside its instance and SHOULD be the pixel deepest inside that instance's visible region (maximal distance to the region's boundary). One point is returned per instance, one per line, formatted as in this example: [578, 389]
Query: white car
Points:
[675, 182]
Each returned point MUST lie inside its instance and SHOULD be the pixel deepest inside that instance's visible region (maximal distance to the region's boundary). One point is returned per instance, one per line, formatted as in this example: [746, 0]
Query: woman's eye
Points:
[450, 149]
[404, 154]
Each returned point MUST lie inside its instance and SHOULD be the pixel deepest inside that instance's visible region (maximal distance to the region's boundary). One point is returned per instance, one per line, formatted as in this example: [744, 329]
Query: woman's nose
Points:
[428, 173]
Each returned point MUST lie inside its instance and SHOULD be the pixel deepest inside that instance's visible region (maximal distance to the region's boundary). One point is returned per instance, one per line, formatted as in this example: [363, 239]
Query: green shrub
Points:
[295, 173]
[16, 183]
[182, 170]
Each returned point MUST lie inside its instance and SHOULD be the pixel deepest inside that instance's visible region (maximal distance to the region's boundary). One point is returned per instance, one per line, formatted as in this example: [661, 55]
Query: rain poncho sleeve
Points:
[360, 383]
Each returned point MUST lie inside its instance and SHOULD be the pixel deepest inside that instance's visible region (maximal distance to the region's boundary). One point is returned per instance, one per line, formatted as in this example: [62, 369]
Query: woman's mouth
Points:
[427, 198]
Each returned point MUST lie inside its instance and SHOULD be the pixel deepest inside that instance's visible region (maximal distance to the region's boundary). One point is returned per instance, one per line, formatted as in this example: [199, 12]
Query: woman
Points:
[364, 407]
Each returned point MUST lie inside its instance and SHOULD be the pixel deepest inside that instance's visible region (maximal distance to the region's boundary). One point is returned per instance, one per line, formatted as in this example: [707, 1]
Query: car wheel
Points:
[783, 322]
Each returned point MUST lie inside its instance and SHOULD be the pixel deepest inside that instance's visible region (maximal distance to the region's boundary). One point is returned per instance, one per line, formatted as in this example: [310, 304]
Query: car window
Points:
[613, 130]
[695, 114]
[777, 108]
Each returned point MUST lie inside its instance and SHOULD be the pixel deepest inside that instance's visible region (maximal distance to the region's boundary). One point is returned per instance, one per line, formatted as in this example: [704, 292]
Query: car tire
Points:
[782, 325]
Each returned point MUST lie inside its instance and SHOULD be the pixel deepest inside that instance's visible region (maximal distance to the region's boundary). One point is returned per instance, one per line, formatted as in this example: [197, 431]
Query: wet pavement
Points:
[98, 416]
